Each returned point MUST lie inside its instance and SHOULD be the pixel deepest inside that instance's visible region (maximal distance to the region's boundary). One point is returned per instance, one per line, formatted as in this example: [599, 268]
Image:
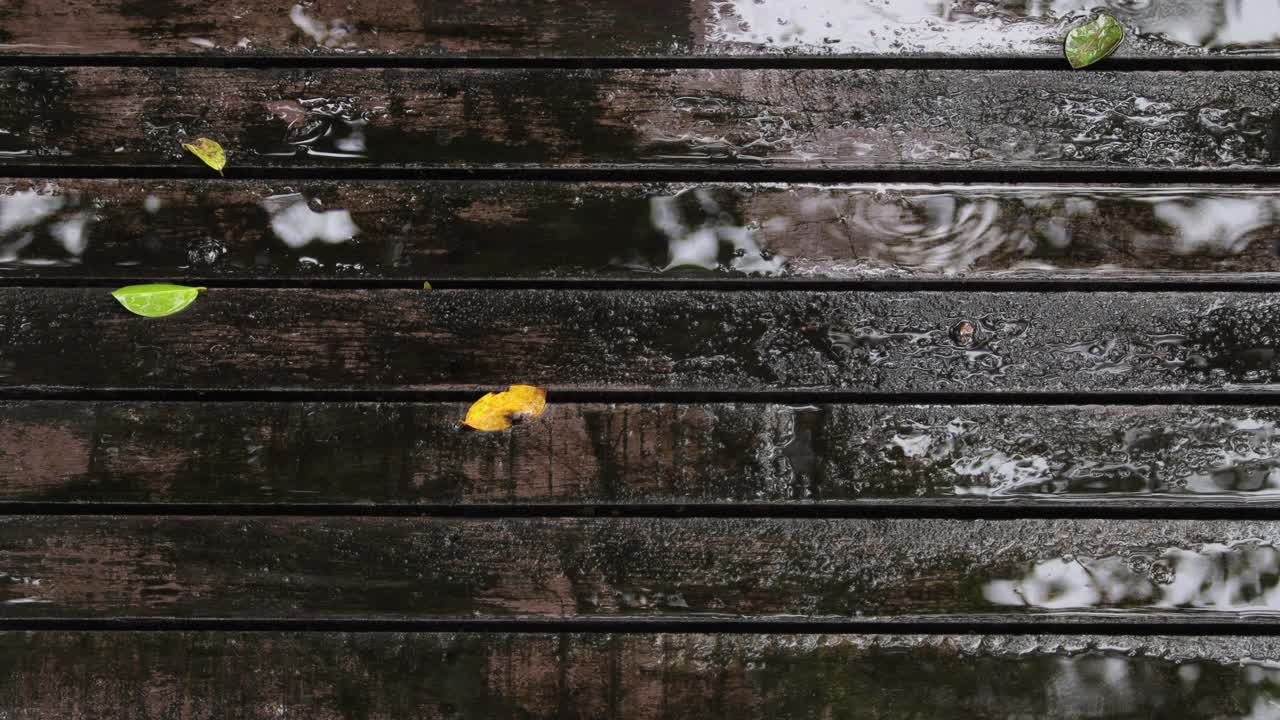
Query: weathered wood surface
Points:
[114, 676]
[407, 231]
[512, 118]
[963, 571]
[902, 456]
[581, 28]
[884, 342]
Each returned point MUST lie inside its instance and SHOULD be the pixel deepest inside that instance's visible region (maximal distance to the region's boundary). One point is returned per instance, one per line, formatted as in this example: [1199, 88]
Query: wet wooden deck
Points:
[895, 370]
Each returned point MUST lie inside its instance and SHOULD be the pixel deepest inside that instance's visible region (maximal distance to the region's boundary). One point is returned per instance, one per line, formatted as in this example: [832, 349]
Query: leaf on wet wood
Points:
[1087, 44]
[209, 151]
[156, 300]
[496, 410]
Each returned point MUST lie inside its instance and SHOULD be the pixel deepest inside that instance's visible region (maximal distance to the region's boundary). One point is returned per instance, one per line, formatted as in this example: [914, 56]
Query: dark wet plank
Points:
[905, 456]
[963, 571]
[325, 676]
[398, 118]
[582, 28]
[408, 231]
[885, 342]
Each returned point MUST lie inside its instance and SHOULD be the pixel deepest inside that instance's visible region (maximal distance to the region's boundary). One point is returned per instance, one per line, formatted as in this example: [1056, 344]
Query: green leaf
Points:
[1087, 44]
[156, 300]
[426, 286]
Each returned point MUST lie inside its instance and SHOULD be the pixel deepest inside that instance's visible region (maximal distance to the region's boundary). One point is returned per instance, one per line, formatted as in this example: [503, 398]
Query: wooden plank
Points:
[883, 342]
[578, 28]
[217, 675]
[462, 118]
[902, 456]
[407, 231]
[398, 568]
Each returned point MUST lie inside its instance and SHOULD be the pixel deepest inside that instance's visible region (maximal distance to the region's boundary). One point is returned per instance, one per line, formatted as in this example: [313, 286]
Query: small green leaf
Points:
[156, 300]
[1088, 43]
[426, 286]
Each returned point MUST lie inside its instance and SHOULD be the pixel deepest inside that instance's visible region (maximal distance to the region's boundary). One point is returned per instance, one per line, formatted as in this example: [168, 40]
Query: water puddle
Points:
[44, 226]
[703, 234]
[1054, 677]
[12, 143]
[297, 224]
[315, 237]
[334, 33]
[1112, 130]
[1120, 355]
[938, 26]
[802, 448]
[324, 127]
[873, 231]
[962, 349]
[1086, 452]
[1243, 577]
[111, 228]
[764, 230]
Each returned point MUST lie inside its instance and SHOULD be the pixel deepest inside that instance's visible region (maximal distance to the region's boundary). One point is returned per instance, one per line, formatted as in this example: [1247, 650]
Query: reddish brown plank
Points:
[215, 675]
[423, 568]
[883, 342]
[407, 231]
[579, 28]
[903, 456]
[591, 118]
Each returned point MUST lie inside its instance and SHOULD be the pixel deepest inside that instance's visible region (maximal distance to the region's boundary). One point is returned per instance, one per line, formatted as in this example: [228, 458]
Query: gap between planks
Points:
[1041, 285]
[1145, 627]
[1073, 282]
[615, 62]
[569, 395]
[941, 175]
[1136, 509]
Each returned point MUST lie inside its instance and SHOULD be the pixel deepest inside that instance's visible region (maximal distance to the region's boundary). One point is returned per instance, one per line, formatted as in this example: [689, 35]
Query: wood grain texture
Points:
[592, 118]
[903, 456]
[199, 676]
[406, 231]
[579, 28]
[645, 340]
[963, 571]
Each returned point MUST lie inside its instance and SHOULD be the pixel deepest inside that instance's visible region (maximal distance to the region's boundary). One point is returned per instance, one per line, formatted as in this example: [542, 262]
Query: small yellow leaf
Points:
[495, 410]
[426, 286]
[208, 151]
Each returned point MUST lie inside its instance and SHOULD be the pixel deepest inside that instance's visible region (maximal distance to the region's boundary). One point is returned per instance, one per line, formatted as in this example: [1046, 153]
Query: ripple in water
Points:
[891, 230]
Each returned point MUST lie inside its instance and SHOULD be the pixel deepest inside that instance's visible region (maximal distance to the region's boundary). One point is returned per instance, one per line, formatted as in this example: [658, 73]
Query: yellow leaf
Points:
[208, 151]
[495, 410]
[426, 286]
